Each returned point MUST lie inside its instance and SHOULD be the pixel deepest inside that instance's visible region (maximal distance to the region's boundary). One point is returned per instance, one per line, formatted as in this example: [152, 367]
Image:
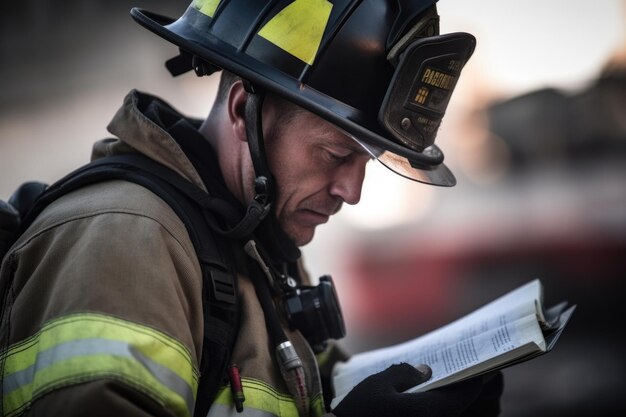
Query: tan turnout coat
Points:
[103, 315]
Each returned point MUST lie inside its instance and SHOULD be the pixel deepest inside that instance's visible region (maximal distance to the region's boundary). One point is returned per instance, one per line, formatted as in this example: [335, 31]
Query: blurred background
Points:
[536, 134]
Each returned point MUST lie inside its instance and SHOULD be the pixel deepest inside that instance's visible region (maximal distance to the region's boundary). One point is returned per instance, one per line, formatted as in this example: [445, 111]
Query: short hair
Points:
[287, 108]
[227, 79]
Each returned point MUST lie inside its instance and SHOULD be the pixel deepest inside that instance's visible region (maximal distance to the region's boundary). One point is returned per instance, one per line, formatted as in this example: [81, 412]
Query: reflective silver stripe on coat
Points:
[91, 347]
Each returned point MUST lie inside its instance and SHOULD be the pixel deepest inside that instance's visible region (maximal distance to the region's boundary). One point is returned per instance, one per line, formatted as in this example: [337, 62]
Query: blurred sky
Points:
[525, 45]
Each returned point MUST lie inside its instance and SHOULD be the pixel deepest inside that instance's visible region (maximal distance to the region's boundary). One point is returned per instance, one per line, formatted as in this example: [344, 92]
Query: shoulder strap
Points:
[195, 208]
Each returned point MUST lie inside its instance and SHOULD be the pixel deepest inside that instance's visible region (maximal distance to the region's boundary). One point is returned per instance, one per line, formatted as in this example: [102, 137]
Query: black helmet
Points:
[377, 69]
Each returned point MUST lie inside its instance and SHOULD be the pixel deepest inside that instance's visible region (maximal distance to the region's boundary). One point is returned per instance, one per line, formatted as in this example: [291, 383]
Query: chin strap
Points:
[261, 204]
[264, 184]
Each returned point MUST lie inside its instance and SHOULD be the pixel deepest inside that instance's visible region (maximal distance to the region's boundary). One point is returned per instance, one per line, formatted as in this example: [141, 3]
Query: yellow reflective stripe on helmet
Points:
[87, 347]
[264, 399]
[206, 7]
[299, 27]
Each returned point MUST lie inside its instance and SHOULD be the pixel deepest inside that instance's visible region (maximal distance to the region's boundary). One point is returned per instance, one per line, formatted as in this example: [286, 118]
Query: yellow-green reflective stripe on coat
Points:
[87, 347]
[262, 400]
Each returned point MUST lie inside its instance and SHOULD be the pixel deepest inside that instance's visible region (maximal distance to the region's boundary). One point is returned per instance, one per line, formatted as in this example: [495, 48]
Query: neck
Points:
[233, 158]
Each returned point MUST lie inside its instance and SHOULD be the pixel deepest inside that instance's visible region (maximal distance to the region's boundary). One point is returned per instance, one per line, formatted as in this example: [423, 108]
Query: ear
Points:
[237, 97]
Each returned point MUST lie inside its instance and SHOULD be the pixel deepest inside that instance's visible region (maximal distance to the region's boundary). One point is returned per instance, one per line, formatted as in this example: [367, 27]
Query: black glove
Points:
[488, 402]
[382, 395]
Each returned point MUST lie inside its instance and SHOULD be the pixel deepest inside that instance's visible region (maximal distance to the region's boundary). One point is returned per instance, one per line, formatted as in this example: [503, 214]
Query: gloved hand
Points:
[382, 395]
[488, 401]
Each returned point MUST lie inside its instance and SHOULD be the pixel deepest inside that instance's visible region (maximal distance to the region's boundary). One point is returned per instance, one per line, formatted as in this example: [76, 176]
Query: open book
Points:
[509, 330]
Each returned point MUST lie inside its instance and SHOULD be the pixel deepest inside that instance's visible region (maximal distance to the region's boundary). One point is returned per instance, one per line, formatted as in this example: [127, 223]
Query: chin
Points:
[302, 237]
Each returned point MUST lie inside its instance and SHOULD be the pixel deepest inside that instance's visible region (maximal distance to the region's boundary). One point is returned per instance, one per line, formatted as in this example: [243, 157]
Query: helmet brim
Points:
[425, 167]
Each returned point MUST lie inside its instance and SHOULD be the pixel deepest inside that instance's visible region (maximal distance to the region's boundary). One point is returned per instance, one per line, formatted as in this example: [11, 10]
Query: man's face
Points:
[317, 168]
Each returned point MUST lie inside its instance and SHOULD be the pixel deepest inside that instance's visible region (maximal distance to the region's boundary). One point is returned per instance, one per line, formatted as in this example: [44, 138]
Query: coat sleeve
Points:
[105, 318]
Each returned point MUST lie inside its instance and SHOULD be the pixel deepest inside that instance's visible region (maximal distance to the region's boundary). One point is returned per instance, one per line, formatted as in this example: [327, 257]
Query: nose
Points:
[348, 181]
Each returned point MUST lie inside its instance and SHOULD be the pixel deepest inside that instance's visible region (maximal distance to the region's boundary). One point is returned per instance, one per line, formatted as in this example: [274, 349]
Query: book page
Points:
[479, 352]
[499, 327]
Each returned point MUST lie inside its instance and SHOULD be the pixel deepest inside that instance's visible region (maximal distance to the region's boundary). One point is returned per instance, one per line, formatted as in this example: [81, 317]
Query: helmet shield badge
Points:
[415, 103]
[421, 88]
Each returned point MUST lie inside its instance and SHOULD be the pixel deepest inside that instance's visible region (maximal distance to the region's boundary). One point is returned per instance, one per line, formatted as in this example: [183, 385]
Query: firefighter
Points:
[105, 302]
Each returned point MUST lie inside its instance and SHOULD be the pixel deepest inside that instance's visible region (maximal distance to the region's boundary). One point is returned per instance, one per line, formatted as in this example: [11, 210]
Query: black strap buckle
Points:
[223, 286]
